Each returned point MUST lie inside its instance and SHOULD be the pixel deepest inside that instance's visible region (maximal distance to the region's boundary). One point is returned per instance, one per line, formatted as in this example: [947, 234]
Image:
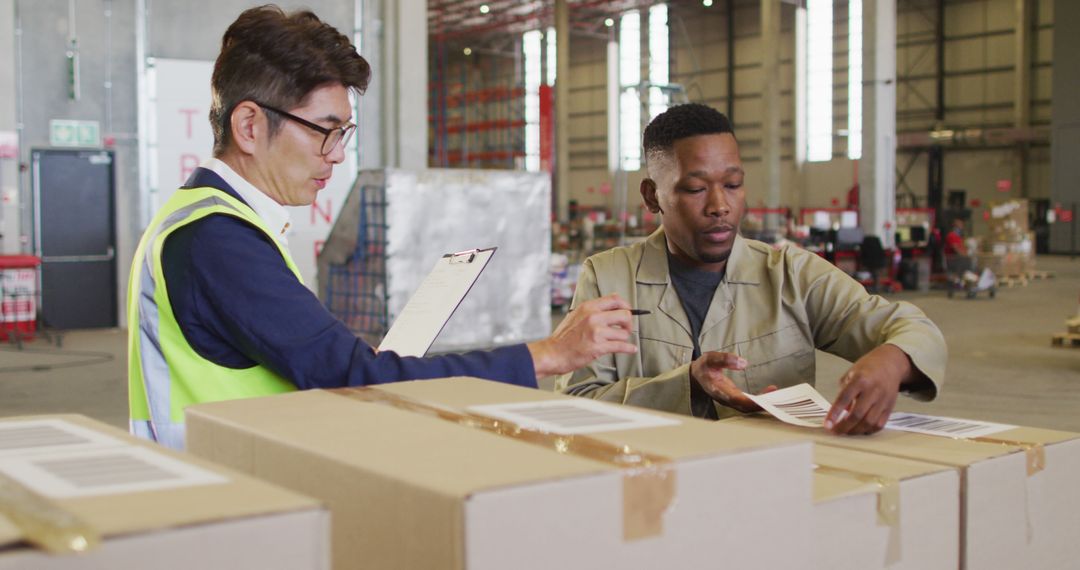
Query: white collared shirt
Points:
[275, 215]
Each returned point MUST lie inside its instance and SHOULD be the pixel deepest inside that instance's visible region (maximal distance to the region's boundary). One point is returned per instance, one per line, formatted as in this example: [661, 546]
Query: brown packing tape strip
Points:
[888, 503]
[648, 479]
[43, 523]
[888, 493]
[1036, 452]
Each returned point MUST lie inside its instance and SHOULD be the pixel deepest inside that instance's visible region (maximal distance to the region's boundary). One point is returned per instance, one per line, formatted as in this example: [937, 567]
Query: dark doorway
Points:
[75, 236]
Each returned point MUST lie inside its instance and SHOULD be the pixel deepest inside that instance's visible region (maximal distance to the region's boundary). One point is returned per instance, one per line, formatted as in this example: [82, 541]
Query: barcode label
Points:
[799, 405]
[572, 416]
[804, 409]
[948, 427]
[126, 469]
[49, 435]
[58, 458]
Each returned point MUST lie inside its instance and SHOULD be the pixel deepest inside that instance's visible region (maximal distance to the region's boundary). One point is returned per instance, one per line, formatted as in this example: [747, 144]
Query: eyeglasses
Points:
[332, 136]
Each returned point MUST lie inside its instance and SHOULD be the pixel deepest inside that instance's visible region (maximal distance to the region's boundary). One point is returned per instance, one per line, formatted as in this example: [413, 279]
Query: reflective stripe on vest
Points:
[165, 374]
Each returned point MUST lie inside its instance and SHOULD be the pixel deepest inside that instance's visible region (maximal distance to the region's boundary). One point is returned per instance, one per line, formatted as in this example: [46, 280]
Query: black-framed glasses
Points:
[332, 136]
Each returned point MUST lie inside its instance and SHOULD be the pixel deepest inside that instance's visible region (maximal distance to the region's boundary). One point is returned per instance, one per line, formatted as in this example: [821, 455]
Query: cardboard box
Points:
[409, 490]
[1020, 503]
[1009, 219]
[874, 511]
[151, 507]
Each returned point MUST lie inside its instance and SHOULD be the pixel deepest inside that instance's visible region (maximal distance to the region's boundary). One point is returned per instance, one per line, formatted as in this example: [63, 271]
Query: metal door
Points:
[75, 236]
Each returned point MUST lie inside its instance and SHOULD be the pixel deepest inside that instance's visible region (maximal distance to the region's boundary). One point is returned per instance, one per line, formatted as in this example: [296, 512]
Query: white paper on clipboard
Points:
[432, 304]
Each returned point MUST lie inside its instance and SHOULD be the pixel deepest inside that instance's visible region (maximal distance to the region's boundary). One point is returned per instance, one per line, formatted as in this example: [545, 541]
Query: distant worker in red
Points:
[954, 240]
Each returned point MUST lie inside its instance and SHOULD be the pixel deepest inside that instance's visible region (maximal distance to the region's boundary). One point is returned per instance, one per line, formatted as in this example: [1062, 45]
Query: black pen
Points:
[636, 312]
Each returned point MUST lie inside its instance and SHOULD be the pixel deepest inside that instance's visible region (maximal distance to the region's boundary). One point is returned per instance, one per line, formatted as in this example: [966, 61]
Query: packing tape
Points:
[1036, 462]
[43, 523]
[888, 503]
[1036, 452]
[648, 479]
[888, 493]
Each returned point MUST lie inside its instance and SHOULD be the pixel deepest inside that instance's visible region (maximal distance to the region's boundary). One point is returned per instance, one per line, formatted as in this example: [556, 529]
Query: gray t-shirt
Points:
[695, 288]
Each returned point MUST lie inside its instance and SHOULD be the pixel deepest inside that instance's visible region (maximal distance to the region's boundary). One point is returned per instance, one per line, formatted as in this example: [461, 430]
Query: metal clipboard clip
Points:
[466, 256]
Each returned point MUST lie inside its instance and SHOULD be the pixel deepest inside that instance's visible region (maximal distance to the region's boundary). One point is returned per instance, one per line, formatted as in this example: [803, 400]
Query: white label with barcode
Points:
[948, 427]
[58, 458]
[126, 469]
[799, 405]
[50, 436]
[572, 416]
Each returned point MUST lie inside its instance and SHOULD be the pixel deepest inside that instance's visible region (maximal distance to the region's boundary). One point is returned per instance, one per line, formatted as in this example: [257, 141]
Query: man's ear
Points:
[247, 123]
[648, 195]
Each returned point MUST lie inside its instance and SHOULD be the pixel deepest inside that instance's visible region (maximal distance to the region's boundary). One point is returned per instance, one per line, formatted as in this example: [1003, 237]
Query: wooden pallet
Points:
[1013, 281]
[1072, 326]
[1066, 339]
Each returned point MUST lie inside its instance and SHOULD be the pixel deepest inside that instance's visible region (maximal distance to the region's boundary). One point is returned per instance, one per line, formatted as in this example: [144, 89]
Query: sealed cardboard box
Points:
[875, 511]
[1019, 498]
[441, 474]
[77, 494]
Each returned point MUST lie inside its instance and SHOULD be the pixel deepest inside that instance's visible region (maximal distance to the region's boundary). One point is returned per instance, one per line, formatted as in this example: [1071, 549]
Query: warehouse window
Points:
[552, 51]
[531, 46]
[854, 120]
[658, 59]
[819, 80]
[629, 100]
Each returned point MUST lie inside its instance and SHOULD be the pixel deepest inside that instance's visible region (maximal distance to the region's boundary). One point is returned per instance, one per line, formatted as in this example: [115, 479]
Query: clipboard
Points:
[431, 305]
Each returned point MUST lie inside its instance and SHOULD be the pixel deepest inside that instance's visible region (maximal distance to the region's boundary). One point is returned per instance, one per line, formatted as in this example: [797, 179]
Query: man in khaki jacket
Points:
[730, 314]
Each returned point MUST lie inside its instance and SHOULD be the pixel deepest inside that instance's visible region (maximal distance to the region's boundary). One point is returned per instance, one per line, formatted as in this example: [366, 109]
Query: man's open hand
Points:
[708, 371]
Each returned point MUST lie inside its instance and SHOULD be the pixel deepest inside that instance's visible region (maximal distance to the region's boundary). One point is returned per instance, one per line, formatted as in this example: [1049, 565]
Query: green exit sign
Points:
[74, 133]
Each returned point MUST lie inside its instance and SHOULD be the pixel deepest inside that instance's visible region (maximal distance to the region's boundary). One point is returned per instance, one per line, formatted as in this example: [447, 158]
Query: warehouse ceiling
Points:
[478, 19]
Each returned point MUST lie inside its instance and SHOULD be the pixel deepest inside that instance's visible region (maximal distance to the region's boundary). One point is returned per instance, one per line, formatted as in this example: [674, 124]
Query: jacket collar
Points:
[204, 177]
[741, 267]
[653, 268]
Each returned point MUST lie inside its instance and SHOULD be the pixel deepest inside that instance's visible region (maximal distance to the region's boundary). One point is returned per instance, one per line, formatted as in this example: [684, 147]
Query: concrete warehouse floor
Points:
[1002, 366]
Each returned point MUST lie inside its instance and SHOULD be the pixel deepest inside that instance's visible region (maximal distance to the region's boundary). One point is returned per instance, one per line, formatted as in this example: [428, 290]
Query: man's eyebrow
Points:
[703, 174]
[332, 118]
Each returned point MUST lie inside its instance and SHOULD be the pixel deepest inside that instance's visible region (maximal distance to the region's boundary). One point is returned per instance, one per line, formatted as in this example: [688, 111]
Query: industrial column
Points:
[393, 113]
[562, 106]
[770, 99]
[1022, 94]
[1065, 168]
[877, 187]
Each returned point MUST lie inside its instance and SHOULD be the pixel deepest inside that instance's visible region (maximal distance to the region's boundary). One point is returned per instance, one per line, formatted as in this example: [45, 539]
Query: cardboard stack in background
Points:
[1020, 499]
[1009, 248]
[153, 508]
[409, 490]
[874, 511]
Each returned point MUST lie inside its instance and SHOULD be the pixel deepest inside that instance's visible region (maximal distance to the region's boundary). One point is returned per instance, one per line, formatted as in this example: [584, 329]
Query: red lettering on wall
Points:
[188, 164]
[318, 247]
[188, 113]
[323, 213]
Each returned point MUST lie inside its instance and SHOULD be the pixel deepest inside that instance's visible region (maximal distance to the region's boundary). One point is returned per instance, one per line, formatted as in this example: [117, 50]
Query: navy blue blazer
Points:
[238, 305]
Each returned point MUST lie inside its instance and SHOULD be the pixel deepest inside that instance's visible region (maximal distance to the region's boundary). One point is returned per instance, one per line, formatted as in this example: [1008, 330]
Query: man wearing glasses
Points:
[216, 308]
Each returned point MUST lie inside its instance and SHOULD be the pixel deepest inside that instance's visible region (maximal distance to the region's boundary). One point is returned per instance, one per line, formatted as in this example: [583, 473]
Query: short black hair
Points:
[277, 58]
[680, 122]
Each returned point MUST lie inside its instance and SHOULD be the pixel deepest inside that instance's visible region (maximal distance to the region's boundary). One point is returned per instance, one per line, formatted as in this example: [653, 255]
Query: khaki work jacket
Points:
[773, 307]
